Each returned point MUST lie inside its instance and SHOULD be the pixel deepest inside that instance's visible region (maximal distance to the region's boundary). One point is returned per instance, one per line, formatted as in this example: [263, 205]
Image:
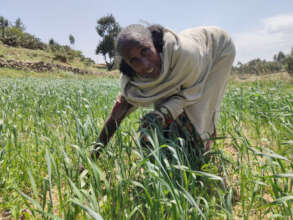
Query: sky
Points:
[259, 28]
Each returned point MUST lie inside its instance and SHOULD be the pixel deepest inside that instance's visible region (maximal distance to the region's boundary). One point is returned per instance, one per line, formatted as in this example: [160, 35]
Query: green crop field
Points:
[48, 125]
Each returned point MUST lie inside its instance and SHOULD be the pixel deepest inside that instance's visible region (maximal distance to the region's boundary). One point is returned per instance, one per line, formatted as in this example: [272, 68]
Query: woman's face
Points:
[143, 58]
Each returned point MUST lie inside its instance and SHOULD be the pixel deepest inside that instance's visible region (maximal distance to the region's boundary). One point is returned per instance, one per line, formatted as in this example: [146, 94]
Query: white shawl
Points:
[187, 59]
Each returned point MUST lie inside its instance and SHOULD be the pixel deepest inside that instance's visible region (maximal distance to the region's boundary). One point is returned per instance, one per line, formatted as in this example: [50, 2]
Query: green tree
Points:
[108, 29]
[3, 24]
[18, 23]
[281, 57]
[71, 39]
[53, 45]
[289, 64]
[51, 42]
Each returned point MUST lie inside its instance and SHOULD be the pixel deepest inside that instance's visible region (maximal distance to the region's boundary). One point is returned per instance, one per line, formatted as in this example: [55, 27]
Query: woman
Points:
[183, 75]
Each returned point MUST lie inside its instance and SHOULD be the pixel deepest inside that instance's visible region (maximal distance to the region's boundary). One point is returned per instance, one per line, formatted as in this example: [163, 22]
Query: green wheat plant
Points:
[48, 126]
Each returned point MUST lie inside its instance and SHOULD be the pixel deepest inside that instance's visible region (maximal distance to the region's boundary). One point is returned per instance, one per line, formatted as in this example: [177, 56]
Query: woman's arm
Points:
[120, 109]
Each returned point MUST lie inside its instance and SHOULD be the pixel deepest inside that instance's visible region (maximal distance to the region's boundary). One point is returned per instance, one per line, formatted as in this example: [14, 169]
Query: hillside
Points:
[23, 55]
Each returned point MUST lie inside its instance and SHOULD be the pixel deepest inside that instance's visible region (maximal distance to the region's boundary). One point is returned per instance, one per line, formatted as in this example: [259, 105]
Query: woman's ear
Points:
[126, 69]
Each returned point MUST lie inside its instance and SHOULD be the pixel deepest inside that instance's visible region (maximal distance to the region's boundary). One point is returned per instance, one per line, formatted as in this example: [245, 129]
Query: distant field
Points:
[48, 124]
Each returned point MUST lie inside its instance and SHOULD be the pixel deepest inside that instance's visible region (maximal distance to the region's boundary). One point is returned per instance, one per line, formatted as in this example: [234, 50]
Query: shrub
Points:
[289, 64]
[15, 37]
[60, 57]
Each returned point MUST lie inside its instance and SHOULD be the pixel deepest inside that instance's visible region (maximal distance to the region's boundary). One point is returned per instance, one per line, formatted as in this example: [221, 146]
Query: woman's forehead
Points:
[128, 45]
[134, 42]
[128, 51]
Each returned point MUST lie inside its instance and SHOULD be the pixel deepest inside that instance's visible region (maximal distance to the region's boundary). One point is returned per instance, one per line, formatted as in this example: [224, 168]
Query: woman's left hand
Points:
[152, 120]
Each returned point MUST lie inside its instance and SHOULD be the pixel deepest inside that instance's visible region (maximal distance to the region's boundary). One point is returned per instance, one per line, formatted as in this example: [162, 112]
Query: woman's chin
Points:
[154, 75]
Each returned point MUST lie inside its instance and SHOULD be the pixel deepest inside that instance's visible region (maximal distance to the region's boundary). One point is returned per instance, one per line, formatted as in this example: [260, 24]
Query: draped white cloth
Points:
[196, 65]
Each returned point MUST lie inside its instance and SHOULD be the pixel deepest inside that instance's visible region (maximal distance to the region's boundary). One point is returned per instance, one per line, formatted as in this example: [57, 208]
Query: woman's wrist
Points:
[167, 115]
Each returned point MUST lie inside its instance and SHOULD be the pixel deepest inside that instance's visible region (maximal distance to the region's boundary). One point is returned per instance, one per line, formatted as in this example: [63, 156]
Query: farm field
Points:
[48, 125]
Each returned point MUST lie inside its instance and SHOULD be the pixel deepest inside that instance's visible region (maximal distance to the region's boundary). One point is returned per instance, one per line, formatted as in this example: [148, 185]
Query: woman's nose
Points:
[145, 63]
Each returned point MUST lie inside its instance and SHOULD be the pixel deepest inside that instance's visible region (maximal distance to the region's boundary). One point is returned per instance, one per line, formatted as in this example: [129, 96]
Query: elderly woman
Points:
[183, 75]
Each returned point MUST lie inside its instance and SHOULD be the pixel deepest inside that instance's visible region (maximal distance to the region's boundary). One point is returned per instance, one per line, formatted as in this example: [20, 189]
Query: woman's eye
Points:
[145, 50]
[134, 61]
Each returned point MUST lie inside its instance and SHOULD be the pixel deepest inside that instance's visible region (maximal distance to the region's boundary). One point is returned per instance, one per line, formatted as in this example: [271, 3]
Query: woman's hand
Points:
[153, 119]
[120, 109]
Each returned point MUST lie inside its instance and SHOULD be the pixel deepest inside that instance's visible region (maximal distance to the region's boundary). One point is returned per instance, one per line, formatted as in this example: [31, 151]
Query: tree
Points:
[108, 29]
[51, 42]
[3, 25]
[281, 57]
[53, 45]
[289, 64]
[19, 24]
[71, 39]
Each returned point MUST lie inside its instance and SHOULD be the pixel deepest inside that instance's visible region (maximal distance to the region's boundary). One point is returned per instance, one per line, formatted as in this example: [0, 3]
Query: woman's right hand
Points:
[120, 109]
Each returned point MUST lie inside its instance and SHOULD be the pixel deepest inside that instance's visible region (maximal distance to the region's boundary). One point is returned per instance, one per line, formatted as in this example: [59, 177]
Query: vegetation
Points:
[257, 66]
[48, 125]
[19, 24]
[15, 36]
[46, 56]
[3, 25]
[289, 63]
[71, 39]
[108, 29]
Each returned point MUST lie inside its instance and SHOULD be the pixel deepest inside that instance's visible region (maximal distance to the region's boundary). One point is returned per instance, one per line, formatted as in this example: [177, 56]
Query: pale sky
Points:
[259, 28]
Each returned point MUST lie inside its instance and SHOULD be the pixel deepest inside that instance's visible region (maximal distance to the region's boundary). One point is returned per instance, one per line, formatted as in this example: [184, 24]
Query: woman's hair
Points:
[139, 33]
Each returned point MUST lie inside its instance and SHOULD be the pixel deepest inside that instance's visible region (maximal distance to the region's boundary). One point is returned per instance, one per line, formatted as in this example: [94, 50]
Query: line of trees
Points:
[281, 62]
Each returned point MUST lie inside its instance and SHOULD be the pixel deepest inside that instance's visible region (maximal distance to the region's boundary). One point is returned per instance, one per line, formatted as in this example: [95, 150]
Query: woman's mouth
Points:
[150, 70]
[150, 73]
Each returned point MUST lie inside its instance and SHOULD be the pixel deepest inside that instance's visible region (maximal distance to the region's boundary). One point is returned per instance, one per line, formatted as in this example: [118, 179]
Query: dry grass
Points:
[252, 77]
[12, 73]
